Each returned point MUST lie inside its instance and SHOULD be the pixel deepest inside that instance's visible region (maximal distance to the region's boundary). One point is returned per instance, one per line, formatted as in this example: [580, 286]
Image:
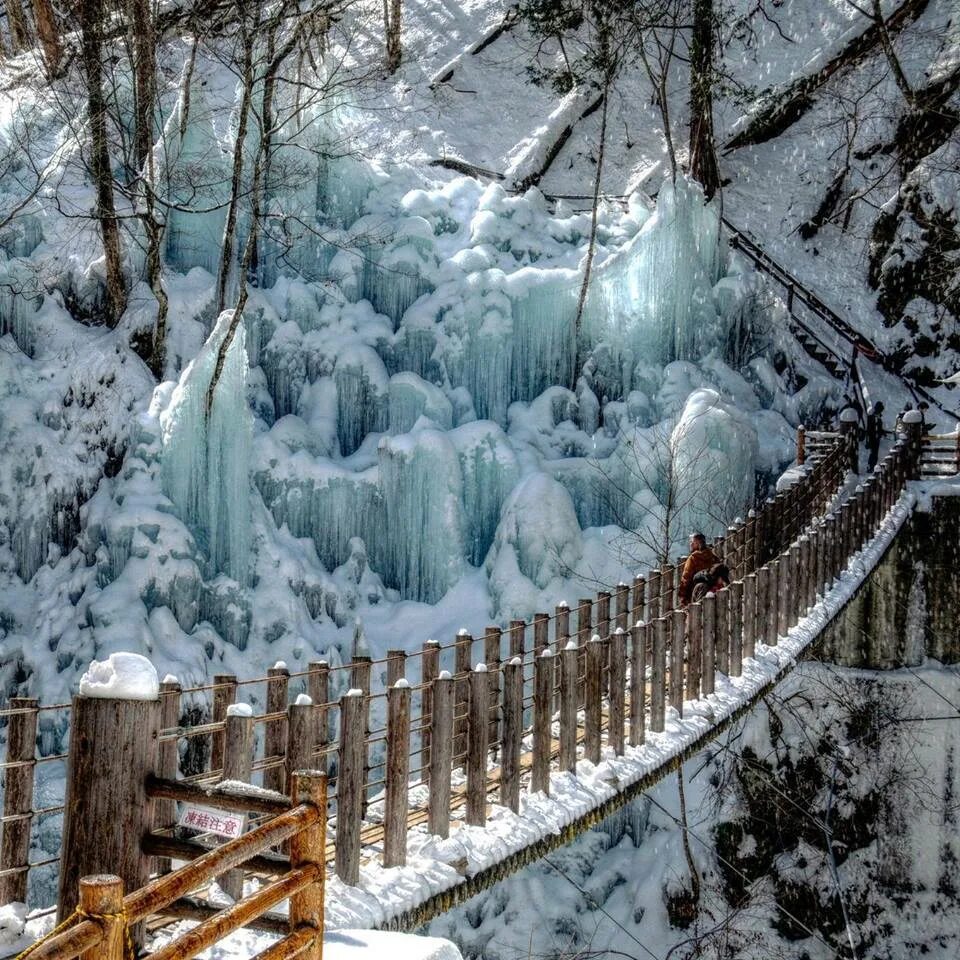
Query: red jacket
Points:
[698, 560]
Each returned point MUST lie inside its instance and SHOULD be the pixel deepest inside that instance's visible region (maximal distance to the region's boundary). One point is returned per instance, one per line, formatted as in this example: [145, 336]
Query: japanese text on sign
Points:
[211, 821]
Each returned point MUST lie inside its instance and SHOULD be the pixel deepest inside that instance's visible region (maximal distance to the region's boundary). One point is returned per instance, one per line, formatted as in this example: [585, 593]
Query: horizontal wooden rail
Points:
[220, 796]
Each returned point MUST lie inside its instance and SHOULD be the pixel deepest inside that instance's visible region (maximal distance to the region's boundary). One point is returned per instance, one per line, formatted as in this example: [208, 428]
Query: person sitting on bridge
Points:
[702, 572]
[874, 433]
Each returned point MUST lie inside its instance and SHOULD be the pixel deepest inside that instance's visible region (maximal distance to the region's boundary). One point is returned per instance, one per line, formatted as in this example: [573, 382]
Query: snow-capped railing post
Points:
[18, 798]
[781, 573]
[361, 674]
[350, 785]
[542, 712]
[541, 632]
[318, 689]
[224, 694]
[750, 543]
[308, 849]
[396, 666]
[639, 633]
[796, 583]
[911, 426]
[275, 733]
[849, 429]
[801, 445]
[653, 595]
[441, 726]
[478, 731]
[593, 698]
[584, 632]
[721, 636]
[603, 614]
[658, 678]
[237, 766]
[397, 775]
[462, 665]
[736, 628]
[518, 630]
[100, 897]
[666, 589]
[114, 735]
[617, 686]
[301, 736]
[638, 599]
[492, 639]
[513, 733]
[165, 811]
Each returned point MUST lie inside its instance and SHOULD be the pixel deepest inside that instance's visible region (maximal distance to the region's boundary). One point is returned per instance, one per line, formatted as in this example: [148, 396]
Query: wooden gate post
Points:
[307, 848]
[101, 898]
[113, 749]
[18, 798]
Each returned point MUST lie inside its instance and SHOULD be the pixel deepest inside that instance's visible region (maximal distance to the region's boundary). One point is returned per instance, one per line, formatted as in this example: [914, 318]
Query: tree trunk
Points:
[144, 72]
[49, 33]
[91, 16]
[19, 28]
[703, 154]
[394, 50]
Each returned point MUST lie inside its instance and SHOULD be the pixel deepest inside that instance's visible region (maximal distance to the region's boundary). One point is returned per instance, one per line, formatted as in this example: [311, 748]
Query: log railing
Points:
[378, 727]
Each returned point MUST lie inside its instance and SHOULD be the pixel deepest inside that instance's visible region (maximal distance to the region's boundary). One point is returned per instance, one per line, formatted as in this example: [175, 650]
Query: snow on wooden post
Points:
[478, 736]
[397, 775]
[275, 731]
[561, 630]
[318, 689]
[308, 848]
[491, 657]
[100, 897]
[114, 734]
[623, 606]
[568, 707]
[542, 711]
[638, 682]
[749, 644]
[18, 798]
[796, 583]
[848, 434]
[658, 679]
[512, 733]
[429, 670]
[678, 630]
[708, 675]
[735, 591]
[694, 650]
[593, 698]
[350, 785]
[518, 629]
[638, 600]
[165, 811]
[224, 693]
[441, 755]
[618, 692]
[301, 736]
[396, 666]
[237, 765]
[732, 554]
[911, 427]
[721, 636]
[462, 668]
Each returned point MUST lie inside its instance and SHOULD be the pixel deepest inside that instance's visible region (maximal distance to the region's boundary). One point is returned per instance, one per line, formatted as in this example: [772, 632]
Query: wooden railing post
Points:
[721, 635]
[848, 434]
[750, 541]
[708, 674]
[224, 693]
[584, 632]
[301, 736]
[694, 650]
[396, 666]
[568, 707]
[781, 568]
[623, 606]
[541, 632]
[112, 742]
[603, 614]
[238, 766]
[911, 427]
[478, 730]
[542, 709]
[518, 629]
[275, 732]
[397, 774]
[801, 445]
[796, 583]
[308, 848]
[429, 670]
[667, 587]
[318, 689]
[441, 755]
[562, 628]
[593, 698]
[18, 798]
[617, 687]
[491, 657]
[658, 678]
[749, 616]
[512, 733]
[463, 666]
[678, 630]
[735, 591]
[100, 897]
[165, 811]
[653, 596]
[350, 785]
[637, 600]
[638, 682]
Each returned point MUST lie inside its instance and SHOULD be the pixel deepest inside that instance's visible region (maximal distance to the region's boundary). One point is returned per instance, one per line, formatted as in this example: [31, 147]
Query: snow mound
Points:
[122, 676]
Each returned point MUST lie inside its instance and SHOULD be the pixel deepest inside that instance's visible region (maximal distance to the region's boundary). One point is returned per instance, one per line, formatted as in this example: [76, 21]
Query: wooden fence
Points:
[506, 708]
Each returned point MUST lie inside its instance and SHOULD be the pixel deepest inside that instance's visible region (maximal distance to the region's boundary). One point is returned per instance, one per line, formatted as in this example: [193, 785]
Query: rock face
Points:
[907, 609]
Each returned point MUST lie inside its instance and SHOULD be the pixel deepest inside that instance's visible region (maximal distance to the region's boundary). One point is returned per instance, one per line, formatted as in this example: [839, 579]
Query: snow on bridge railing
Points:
[314, 733]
